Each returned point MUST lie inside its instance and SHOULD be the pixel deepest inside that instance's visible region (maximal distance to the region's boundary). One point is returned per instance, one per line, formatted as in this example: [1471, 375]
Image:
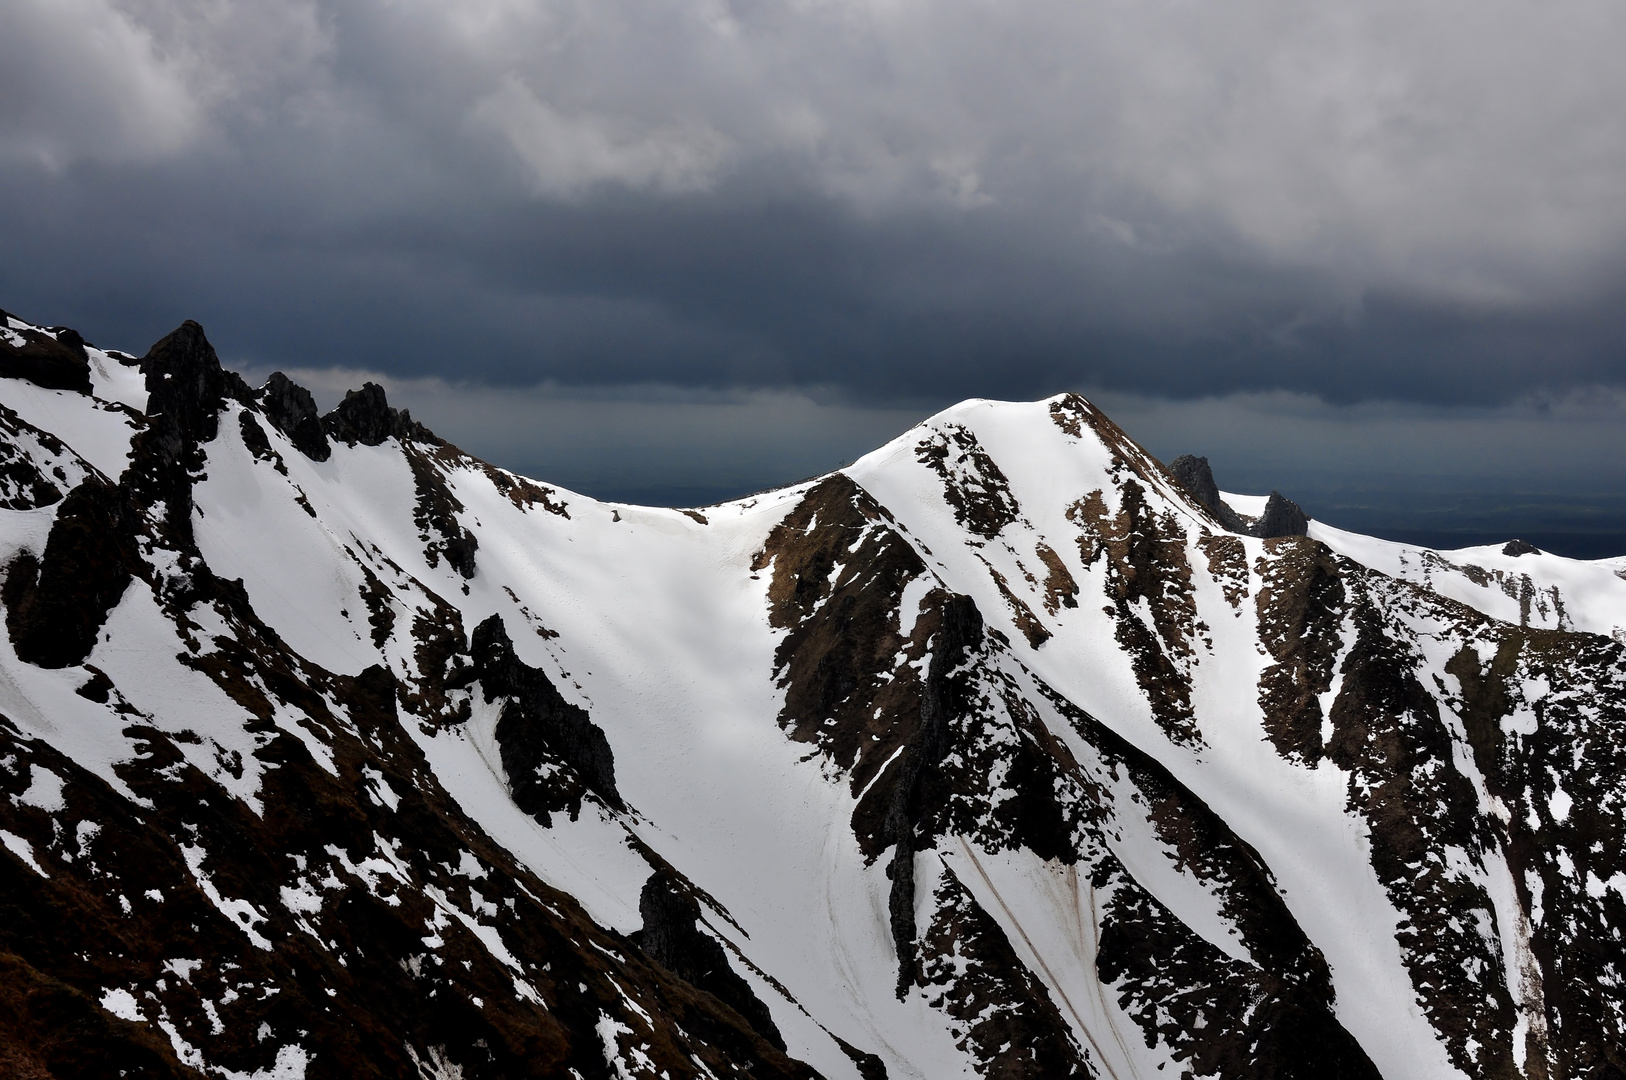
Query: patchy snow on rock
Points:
[991, 754]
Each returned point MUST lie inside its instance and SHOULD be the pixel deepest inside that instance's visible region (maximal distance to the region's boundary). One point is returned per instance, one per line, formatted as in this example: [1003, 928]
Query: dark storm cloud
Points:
[702, 246]
[720, 290]
[900, 198]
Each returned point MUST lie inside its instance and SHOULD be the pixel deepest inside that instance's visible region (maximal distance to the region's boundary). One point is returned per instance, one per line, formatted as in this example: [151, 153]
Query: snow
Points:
[1560, 803]
[1593, 593]
[45, 791]
[659, 629]
[99, 435]
[240, 913]
[122, 1004]
[612, 1033]
[1247, 505]
[23, 850]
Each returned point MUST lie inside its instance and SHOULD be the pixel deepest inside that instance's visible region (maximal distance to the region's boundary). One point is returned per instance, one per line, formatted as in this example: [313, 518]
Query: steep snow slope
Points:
[992, 754]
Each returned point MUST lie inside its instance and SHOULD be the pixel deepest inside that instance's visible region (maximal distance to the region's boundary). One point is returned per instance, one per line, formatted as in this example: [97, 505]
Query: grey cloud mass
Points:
[892, 202]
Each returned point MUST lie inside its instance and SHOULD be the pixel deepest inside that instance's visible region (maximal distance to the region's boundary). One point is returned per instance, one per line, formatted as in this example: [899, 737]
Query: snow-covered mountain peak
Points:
[332, 750]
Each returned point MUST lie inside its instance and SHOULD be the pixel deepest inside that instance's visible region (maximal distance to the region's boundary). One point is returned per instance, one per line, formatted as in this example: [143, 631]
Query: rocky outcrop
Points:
[56, 605]
[186, 384]
[436, 510]
[552, 752]
[671, 936]
[55, 360]
[291, 410]
[366, 417]
[1520, 547]
[1281, 516]
[1197, 478]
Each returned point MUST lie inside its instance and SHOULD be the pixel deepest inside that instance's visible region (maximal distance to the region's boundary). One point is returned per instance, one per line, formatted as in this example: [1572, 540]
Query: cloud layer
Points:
[906, 200]
[1547, 469]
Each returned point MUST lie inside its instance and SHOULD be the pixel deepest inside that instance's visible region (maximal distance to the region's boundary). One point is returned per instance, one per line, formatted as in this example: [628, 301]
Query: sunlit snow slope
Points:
[332, 751]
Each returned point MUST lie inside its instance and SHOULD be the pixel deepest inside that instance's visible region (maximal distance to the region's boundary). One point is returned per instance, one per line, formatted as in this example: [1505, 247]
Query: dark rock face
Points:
[436, 511]
[1300, 607]
[364, 416]
[187, 385]
[552, 752]
[291, 410]
[672, 938]
[1143, 553]
[972, 483]
[1520, 547]
[960, 633]
[56, 606]
[1197, 478]
[1282, 517]
[57, 363]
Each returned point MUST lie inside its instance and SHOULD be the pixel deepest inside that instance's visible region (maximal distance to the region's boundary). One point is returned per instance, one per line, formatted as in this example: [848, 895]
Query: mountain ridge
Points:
[991, 754]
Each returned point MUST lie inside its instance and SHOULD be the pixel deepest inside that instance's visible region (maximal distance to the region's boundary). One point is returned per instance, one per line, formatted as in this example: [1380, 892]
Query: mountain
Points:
[332, 751]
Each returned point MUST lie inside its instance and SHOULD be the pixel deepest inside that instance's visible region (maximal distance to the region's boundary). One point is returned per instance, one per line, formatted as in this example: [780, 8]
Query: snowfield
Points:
[993, 754]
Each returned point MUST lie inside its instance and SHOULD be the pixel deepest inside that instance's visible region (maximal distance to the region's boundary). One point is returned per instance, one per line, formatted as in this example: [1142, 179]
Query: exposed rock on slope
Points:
[291, 410]
[1001, 752]
[1279, 517]
[552, 753]
[54, 358]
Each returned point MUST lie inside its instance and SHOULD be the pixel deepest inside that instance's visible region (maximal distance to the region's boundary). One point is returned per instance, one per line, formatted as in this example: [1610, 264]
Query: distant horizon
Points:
[1418, 508]
[1363, 254]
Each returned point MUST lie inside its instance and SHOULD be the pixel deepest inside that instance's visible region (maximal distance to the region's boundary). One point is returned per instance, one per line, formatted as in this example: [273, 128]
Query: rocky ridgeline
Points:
[241, 858]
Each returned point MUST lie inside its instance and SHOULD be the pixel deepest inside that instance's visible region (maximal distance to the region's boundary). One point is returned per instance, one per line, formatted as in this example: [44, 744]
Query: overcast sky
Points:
[777, 230]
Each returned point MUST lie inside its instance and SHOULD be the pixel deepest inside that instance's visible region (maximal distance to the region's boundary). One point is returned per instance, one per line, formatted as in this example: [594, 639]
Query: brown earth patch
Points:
[972, 482]
[1300, 606]
[1227, 565]
[1145, 558]
[1060, 590]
